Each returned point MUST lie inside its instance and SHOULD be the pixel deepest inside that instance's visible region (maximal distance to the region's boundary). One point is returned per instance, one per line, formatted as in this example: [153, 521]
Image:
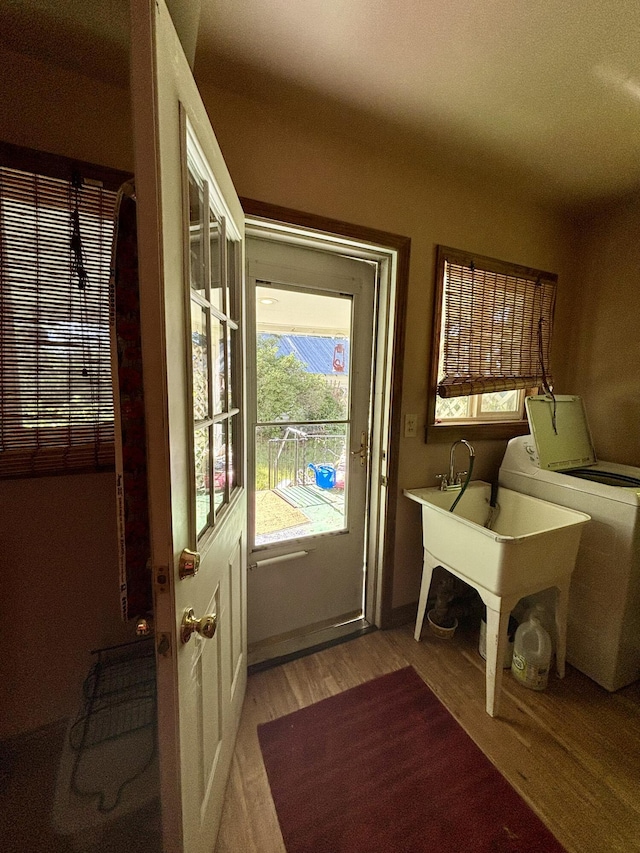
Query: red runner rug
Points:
[384, 768]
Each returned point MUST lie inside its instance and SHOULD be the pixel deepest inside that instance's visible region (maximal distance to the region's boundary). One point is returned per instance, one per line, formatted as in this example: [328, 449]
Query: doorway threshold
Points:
[267, 655]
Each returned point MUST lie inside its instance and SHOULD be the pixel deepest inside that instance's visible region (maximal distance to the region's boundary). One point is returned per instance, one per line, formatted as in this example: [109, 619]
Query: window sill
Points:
[475, 430]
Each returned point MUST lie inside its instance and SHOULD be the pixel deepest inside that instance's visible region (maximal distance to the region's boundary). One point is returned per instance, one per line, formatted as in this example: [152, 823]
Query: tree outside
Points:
[287, 392]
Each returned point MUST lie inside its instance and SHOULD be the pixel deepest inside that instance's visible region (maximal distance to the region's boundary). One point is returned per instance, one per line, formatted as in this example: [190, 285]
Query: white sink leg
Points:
[562, 606]
[497, 625]
[428, 565]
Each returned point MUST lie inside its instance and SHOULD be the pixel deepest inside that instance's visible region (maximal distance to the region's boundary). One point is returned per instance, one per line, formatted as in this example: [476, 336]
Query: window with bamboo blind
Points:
[56, 400]
[492, 341]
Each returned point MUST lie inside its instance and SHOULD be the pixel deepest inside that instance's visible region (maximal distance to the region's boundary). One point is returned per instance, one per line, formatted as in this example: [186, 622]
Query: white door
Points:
[190, 244]
[311, 319]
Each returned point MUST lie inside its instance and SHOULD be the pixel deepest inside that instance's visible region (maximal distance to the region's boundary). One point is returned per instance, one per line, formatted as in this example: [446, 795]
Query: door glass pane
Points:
[219, 463]
[232, 441]
[216, 297]
[196, 237]
[218, 342]
[200, 363]
[302, 355]
[302, 369]
[202, 478]
[232, 349]
[300, 480]
[233, 267]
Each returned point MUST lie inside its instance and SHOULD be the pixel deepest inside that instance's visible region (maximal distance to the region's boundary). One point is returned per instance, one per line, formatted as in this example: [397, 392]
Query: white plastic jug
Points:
[532, 653]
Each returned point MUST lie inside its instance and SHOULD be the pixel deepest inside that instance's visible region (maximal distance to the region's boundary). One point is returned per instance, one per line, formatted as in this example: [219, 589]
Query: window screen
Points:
[56, 403]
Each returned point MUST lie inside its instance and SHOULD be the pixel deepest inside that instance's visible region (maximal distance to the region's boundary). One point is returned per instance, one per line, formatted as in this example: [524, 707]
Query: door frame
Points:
[393, 252]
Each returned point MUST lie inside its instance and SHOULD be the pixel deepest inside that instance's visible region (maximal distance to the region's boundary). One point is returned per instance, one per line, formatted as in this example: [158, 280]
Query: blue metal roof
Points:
[318, 354]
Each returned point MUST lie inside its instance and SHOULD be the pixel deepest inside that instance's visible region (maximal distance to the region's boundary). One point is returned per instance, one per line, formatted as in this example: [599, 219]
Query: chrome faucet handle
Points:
[444, 482]
[459, 477]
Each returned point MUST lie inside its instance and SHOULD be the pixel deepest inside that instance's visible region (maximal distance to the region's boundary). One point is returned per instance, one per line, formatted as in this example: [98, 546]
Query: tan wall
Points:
[58, 559]
[58, 110]
[599, 329]
[302, 167]
[59, 593]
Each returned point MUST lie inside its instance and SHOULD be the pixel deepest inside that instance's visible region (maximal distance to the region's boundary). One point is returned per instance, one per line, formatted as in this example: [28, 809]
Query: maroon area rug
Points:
[384, 768]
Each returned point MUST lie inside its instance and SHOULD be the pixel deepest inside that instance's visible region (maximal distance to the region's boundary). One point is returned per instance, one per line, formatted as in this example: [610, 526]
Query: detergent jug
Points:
[532, 653]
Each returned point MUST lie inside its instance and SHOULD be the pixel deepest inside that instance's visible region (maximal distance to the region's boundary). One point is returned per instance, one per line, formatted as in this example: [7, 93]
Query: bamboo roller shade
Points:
[497, 323]
[56, 405]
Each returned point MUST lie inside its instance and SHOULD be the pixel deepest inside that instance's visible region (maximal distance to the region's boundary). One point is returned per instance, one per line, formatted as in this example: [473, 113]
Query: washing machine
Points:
[557, 463]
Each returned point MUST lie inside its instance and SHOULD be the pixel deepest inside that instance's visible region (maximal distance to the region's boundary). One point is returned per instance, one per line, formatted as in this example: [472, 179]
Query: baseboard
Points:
[404, 614]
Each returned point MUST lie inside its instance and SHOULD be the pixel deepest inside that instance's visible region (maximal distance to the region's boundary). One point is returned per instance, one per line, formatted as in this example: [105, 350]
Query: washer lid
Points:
[569, 445]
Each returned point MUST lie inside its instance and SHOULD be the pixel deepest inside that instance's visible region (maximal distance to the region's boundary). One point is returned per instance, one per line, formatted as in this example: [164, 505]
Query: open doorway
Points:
[321, 327]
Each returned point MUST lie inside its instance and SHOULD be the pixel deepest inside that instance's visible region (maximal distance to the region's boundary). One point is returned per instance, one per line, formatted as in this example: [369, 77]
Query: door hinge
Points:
[383, 480]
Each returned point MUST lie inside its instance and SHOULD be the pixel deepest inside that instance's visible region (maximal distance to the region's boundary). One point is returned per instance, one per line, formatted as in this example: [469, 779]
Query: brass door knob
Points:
[206, 626]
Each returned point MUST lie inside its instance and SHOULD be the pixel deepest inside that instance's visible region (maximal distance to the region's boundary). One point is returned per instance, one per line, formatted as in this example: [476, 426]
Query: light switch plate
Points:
[410, 426]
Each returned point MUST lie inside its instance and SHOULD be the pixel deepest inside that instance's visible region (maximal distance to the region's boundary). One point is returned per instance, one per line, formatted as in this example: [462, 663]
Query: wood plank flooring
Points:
[572, 752]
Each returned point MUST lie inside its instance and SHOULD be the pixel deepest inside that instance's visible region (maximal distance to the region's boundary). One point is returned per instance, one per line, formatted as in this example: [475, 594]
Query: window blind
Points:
[56, 401]
[496, 325]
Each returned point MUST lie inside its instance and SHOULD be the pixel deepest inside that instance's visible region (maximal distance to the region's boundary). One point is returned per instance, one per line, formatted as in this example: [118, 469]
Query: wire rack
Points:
[119, 695]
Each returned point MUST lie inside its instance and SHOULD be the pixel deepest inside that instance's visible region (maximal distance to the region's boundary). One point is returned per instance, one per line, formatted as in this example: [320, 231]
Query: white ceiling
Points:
[550, 87]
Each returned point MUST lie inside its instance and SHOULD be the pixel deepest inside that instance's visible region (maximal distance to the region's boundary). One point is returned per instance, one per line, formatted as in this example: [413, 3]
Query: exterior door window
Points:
[214, 275]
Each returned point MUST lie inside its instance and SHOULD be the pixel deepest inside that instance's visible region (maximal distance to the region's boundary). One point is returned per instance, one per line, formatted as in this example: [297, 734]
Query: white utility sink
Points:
[529, 539]
[531, 545]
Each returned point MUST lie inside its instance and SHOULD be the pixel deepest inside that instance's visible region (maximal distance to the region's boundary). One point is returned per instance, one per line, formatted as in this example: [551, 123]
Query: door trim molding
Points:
[402, 247]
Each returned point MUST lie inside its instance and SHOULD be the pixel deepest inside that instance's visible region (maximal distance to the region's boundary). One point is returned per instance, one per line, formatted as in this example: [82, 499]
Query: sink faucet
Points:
[453, 480]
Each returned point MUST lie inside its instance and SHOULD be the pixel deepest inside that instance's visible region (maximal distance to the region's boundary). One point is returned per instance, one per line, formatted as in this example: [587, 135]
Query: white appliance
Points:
[557, 463]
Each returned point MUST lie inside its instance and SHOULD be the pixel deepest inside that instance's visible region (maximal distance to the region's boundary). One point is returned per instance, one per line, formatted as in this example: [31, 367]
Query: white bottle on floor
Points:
[532, 653]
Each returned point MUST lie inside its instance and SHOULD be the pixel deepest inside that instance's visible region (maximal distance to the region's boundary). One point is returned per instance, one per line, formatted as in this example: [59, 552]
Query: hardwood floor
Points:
[572, 752]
